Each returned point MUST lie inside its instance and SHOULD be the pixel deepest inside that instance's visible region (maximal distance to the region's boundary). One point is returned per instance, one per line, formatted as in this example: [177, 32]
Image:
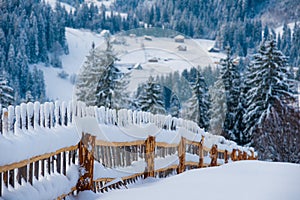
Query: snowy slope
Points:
[80, 42]
[164, 49]
[239, 180]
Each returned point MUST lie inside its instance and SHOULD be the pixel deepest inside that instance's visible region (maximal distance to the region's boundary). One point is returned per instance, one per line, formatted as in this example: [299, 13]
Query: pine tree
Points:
[268, 82]
[218, 107]
[175, 106]
[88, 77]
[150, 98]
[6, 92]
[230, 76]
[199, 103]
[111, 88]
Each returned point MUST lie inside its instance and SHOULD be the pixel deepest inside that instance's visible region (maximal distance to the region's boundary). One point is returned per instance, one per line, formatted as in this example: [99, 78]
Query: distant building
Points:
[149, 38]
[179, 39]
[214, 50]
[182, 48]
[153, 59]
[138, 66]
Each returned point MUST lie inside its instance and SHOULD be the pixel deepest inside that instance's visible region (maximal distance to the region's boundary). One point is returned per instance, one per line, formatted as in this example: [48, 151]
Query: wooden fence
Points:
[117, 155]
[113, 155]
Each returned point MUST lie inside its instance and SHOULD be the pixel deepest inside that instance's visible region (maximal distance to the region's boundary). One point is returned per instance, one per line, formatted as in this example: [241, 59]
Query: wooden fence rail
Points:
[32, 116]
[123, 154]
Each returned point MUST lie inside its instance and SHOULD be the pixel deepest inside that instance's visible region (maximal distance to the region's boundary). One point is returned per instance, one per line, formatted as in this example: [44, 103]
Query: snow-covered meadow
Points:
[253, 180]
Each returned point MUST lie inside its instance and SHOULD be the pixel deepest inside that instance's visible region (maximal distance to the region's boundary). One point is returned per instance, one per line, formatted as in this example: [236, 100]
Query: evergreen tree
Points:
[175, 106]
[6, 93]
[268, 82]
[218, 107]
[151, 99]
[88, 77]
[230, 76]
[111, 90]
[199, 103]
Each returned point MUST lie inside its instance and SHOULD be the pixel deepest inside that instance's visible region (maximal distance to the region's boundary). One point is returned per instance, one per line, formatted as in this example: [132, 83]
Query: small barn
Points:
[179, 39]
[182, 48]
[154, 59]
[149, 38]
[138, 66]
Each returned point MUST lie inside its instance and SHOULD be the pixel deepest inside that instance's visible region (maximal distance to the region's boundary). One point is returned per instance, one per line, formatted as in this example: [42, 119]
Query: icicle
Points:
[63, 111]
[4, 121]
[36, 122]
[42, 116]
[47, 115]
[129, 117]
[51, 114]
[69, 113]
[11, 118]
[17, 125]
[24, 116]
[30, 116]
[57, 113]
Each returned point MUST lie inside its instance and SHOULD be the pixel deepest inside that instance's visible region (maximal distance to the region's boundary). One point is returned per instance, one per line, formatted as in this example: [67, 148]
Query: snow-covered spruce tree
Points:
[111, 90]
[277, 138]
[89, 76]
[6, 93]
[151, 99]
[268, 83]
[218, 108]
[175, 106]
[199, 103]
[230, 76]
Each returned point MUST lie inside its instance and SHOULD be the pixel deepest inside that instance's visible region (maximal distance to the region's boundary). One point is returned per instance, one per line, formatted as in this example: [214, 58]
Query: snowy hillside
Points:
[239, 180]
[163, 49]
[80, 42]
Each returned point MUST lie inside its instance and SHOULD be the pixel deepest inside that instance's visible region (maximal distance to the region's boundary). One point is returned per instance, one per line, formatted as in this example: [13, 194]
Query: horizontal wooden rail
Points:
[166, 145]
[36, 158]
[118, 144]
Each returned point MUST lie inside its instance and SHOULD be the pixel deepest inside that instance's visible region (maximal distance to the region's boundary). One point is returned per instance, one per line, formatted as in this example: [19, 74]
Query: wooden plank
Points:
[22, 174]
[214, 155]
[34, 159]
[5, 178]
[181, 155]
[30, 177]
[43, 167]
[201, 153]
[64, 163]
[36, 170]
[150, 154]
[12, 178]
[165, 145]
[58, 163]
[121, 144]
[1, 177]
[61, 197]
[86, 162]
[48, 162]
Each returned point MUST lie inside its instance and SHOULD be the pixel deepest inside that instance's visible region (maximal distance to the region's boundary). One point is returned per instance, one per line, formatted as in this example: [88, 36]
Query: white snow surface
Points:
[164, 49]
[247, 180]
[48, 187]
[29, 143]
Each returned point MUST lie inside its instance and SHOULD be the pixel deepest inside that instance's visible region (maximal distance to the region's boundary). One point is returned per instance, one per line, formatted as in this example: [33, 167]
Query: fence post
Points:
[86, 162]
[233, 155]
[214, 155]
[226, 156]
[149, 158]
[201, 155]
[240, 155]
[181, 156]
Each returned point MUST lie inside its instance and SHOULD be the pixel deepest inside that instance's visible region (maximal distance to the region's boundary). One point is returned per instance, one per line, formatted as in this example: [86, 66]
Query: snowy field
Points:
[163, 49]
[253, 180]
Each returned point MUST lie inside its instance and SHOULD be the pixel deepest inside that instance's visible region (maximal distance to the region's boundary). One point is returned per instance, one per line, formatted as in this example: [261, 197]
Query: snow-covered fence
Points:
[131, 160]
[44, 143]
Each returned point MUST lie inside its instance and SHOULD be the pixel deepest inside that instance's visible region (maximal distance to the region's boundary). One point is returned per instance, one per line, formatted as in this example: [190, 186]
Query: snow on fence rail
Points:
[43, 143]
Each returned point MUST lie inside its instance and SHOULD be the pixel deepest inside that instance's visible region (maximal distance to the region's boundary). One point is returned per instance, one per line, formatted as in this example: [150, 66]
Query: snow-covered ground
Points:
[164, 49]
[239, 180]
[80, 42]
